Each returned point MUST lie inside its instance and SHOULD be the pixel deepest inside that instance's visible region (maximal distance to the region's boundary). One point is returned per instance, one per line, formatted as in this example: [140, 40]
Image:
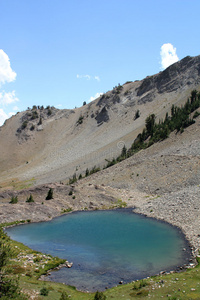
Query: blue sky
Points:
[61, 52]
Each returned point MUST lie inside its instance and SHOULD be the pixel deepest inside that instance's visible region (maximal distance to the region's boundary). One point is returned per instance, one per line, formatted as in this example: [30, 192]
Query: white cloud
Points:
[6, 75]
[97, 78]
[168, 55]
[8, 98]
[88, 77]
[4, 116]
[6, 72]
[15, 108]
[95, 97]
[10, 114]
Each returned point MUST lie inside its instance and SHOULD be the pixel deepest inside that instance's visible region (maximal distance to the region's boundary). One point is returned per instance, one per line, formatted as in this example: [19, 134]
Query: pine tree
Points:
[99, 296]
[50, 194]
[87, 172]
[150, 122]
[124, 152]
[14, 200]
[30, 199]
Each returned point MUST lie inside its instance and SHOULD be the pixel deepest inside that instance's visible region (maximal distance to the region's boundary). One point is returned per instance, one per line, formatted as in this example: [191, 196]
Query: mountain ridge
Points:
[161, 181]
[69, 141]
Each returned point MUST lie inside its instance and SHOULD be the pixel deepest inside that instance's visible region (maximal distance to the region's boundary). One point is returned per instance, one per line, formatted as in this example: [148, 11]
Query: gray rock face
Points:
[180, 74]
[102, 116]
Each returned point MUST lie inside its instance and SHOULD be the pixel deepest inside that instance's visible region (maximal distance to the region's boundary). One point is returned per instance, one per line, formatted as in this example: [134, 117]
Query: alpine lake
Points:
[106, 247]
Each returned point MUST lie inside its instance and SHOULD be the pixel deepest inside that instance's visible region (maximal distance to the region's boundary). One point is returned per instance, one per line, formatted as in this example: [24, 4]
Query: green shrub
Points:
[196, 114]
[73, 180]
[24, 124]
[87, 172]
[44, 291]
[64, 296]
[49, 112]
[34, 115]
[37, 259]
[80, 120]
[99, 296]
[119, 88]
[94, 170]
[16, 269]
[13, 200]
[64, 210]
[137, 114]
[40, 121]
[30, 199]
[124, 152]
[32, 127]
[9, 288]
[143, 283]
[121, 204]
[139, 285]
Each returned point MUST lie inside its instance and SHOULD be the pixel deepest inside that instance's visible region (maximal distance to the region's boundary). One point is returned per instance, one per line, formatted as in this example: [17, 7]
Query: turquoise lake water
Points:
[106, 247]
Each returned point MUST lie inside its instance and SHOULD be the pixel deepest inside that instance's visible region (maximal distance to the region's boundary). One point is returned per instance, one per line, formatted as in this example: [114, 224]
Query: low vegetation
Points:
[87, 173]
[30, 199]
[14, 199]
[80, 120]
[99, 296]
[44, 291]
[9, 286]
[66, 210]
[32, 116]
[137, 114]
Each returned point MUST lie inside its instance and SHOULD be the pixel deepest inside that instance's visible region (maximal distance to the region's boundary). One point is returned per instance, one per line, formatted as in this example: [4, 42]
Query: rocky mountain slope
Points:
[162, 181]
[43, 145]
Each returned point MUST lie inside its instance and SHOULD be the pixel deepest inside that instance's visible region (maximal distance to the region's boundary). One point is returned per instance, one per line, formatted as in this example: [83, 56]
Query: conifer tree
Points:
[50, 194]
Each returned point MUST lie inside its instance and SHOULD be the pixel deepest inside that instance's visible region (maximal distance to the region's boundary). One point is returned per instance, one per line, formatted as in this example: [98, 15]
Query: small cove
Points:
[106, 247]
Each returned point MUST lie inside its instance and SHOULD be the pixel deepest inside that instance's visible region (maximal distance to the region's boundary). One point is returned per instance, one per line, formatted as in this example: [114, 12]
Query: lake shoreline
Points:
[189, 258]
[128, 209]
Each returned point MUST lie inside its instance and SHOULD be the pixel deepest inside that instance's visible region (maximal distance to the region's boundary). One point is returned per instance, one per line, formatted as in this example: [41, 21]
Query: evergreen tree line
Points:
[87, 173]
[180, 118]
[14, 199]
